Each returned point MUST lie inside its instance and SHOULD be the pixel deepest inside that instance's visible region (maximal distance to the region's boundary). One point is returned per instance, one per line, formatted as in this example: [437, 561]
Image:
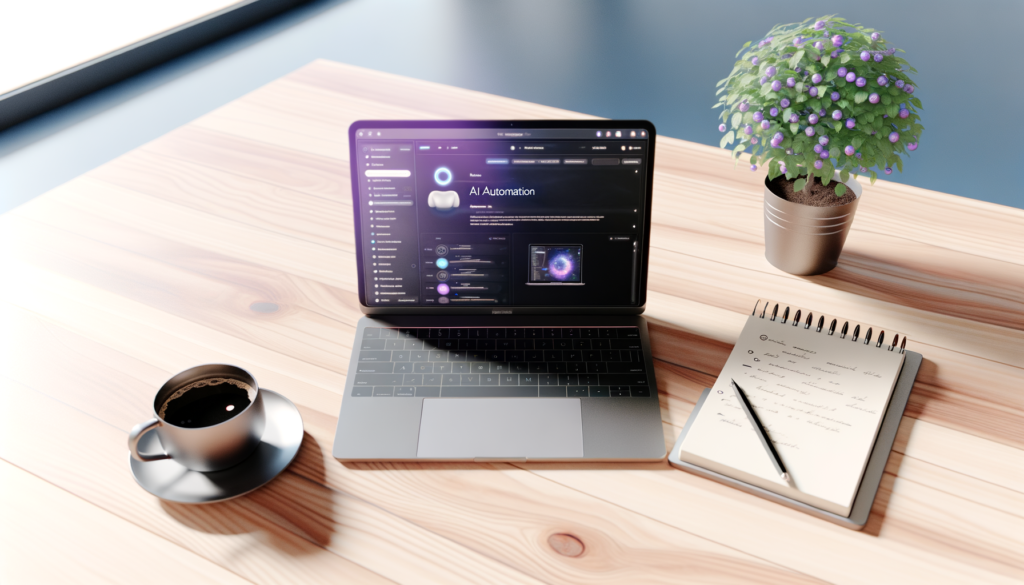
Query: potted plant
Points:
[817, 104]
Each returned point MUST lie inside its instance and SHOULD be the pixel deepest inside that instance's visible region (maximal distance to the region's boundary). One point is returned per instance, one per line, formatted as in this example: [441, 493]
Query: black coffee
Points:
[207, 402]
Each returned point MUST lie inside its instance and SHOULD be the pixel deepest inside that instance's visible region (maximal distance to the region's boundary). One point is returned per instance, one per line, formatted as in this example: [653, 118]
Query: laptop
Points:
[502, 273]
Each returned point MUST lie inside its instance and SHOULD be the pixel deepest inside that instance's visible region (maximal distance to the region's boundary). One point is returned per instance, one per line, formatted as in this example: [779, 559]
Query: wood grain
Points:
[151, 263]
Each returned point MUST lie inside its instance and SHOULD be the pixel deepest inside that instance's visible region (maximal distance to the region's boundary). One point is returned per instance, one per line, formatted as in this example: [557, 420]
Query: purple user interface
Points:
[486, 216]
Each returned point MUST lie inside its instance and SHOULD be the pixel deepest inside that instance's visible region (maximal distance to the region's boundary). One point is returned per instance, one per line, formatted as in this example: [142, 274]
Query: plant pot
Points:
[804, 240]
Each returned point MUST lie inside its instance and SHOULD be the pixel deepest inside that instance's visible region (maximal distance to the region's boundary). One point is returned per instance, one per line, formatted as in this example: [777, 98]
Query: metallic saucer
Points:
[169, 480]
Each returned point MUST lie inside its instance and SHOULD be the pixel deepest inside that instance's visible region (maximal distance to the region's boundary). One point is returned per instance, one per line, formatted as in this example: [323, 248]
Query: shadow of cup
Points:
[289, 513]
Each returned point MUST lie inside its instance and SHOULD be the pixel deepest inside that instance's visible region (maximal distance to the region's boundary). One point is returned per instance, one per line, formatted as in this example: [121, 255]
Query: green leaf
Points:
[736, 119]
[844, 58]
[841, 188]
[753, 160]
[837, 125]
[794, 127]
[799, 184]
[795, 59]
[799, 87]
[857, 141]
[824, 61]
[844, 176]
[860, 96]
[729, 138]
[899, 165]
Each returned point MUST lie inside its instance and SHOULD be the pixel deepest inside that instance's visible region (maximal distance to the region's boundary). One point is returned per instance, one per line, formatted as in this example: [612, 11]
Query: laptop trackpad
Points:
[535, 428]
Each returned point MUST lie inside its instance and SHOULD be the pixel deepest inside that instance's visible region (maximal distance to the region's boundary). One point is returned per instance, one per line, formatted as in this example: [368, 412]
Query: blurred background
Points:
[86, 81]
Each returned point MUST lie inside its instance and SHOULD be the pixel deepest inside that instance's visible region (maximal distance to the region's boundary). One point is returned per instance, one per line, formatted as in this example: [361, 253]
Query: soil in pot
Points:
[821, 195]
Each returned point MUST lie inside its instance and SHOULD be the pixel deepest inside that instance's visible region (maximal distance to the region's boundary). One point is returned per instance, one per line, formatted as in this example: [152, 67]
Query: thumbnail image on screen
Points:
[551, 264]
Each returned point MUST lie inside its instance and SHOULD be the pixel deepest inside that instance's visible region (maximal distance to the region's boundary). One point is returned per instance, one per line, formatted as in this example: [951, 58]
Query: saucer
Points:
[169, 480]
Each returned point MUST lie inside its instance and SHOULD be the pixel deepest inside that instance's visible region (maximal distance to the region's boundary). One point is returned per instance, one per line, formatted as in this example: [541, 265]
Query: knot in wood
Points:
[566, 545]
[264, 307]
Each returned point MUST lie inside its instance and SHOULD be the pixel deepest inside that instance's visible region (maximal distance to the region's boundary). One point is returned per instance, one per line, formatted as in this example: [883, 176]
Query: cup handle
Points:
[136, 435]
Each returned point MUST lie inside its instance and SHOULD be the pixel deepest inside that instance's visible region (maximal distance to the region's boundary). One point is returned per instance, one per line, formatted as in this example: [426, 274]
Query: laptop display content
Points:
[494, 217]
[503, 269]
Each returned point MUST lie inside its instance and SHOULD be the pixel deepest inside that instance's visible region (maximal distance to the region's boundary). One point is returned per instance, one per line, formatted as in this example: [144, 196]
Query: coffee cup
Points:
[208, 418]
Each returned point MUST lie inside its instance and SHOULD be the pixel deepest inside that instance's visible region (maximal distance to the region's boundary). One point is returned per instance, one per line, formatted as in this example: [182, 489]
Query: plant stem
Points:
[809, 184]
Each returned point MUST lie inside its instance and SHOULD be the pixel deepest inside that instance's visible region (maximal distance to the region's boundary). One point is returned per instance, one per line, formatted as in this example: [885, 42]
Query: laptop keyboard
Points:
[500, 362]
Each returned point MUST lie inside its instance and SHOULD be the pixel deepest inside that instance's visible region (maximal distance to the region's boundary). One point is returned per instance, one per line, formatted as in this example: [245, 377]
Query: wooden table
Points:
[151, 264]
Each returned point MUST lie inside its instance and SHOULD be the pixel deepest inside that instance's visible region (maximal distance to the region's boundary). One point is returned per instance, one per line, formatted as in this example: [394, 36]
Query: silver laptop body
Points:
[502, 270]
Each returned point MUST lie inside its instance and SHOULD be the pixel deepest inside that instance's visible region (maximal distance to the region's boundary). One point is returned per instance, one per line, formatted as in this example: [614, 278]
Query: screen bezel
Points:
[505, 309]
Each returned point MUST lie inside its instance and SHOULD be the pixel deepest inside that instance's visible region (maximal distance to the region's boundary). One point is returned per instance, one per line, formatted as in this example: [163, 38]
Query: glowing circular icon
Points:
[441, 250]
[442, 176]
[442, 263]
[442, 276]
[443, 289]
[443, 300]
[560, 267]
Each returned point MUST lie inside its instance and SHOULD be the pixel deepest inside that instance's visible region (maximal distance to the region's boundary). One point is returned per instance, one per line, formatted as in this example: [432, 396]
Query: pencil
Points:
[761, 434]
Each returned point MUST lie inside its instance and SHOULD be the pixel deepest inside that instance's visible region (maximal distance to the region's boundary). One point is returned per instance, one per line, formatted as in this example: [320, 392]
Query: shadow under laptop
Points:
[294, 513]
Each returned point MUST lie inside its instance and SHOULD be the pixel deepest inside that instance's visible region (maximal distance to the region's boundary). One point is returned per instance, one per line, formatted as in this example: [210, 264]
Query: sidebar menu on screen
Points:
[388, 208]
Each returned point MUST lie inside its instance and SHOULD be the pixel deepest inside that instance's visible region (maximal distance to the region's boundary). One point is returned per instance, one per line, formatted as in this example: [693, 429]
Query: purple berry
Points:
[835, 96]
[900, 83]
[771, 71]
[861, 82]
[809, 131]
[819, 25]
[748, 130]
[821, 112]
[818, 148]
[789, 151]
[908, 88]
[912, 146]
[744, 106]
[823, 140]
[888, 170]
[755, 61]
[858, 155]
[818, 164]
[764, 80]
[784, 102]
[818, 45]
[721, 127]
[849, 150]
[753, 167]
[813, 118]
[753, 140]
[851, 122]
[841, 72]
[878, 59]
[873, 98]
[782, 168]
[894, 137]
[816, 78]
[765, 124]
[790, 82]
[837, 41]
[813, 91]
[882, 80]
[837, 115]
[824, 153]
[836, 53]
[773, 112]
[904, 113]
[793, 118]
[865, 56]
[875, 36]
[863, 170]
[758, 116]
[778, 137]
[851, 77]
[776, 85]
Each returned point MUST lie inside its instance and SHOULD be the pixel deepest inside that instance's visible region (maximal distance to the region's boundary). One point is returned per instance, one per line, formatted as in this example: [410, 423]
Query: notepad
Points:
[819, 384]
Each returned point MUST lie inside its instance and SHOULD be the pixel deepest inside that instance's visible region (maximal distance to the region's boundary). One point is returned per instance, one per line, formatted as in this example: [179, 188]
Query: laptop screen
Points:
[502, 216]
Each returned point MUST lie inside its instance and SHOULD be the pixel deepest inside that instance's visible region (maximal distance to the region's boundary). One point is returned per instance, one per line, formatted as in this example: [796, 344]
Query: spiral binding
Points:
[809, 322]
